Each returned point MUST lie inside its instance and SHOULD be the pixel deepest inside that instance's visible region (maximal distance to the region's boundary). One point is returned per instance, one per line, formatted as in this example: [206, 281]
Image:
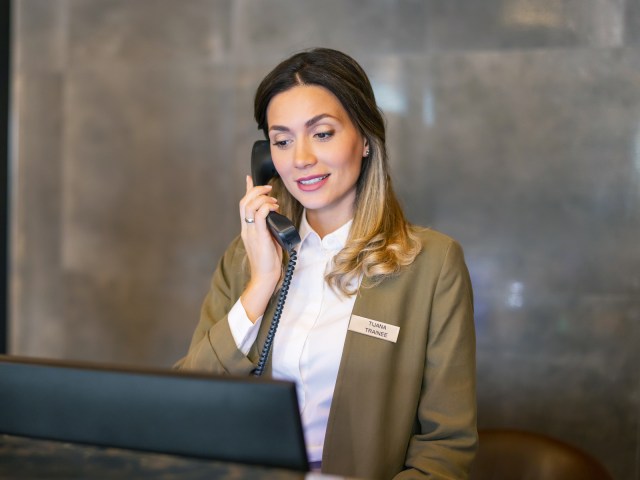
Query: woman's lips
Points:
[311, 183]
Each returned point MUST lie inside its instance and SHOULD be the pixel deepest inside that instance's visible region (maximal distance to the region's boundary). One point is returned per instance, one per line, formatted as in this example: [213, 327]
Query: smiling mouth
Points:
[313, 181]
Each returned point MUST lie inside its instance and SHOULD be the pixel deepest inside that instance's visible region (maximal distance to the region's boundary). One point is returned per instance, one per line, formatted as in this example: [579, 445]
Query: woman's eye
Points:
[324, 135]
[280, 143]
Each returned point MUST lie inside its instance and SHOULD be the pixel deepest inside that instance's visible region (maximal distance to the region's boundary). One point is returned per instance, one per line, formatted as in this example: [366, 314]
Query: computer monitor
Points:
[244, 420]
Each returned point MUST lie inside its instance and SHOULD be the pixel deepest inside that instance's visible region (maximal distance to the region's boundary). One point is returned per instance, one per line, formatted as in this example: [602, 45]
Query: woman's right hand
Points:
[263, 252]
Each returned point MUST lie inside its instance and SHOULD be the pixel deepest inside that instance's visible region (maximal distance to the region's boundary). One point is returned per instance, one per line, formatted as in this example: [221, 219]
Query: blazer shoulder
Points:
[235, 251]
[439, 251]
[434, 242]
[231, 268]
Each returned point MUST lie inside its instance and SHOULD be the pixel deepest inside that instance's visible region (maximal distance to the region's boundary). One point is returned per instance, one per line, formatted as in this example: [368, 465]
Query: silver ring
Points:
[249, 220]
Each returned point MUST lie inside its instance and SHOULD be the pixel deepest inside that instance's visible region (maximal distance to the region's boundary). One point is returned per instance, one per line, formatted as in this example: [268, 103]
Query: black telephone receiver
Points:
[285, 233]
[262, 170]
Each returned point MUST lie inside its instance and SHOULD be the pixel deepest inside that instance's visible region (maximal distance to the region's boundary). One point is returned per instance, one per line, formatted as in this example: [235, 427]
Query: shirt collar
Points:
[333, 241]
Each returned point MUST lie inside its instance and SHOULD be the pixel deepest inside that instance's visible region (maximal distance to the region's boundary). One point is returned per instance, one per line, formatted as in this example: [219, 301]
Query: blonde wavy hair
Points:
[381, 241]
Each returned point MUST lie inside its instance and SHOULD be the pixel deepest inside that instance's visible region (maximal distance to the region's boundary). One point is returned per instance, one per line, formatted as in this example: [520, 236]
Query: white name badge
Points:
[375, 329]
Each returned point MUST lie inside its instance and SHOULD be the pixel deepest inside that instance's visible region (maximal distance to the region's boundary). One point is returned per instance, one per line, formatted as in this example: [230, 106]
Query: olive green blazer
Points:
[404, 409]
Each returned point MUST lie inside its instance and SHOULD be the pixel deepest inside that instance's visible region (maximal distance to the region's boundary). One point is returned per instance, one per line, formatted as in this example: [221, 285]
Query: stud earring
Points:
[366, 152]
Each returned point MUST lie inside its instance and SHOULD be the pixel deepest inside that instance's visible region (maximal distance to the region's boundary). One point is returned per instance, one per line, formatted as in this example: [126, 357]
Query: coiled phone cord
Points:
[266, 349]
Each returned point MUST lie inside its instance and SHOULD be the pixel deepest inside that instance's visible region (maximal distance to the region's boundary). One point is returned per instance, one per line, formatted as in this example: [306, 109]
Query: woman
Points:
[377, 331]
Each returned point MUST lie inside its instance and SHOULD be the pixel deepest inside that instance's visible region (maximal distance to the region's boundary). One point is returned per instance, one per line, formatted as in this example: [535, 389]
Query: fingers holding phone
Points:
[256, 205]
[263, 252]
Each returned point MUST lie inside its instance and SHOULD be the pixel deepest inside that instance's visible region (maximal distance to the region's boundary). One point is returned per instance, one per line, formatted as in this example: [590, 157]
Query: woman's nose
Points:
[304, 155]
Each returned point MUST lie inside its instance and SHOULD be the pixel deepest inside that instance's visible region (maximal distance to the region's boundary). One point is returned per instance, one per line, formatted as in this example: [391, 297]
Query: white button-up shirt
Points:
[308, 344]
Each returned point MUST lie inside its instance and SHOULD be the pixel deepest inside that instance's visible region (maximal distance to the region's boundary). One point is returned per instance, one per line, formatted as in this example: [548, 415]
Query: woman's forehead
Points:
[302, 103]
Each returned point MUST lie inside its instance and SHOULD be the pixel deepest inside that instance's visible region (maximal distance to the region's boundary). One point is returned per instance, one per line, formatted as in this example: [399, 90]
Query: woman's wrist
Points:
[256, 296]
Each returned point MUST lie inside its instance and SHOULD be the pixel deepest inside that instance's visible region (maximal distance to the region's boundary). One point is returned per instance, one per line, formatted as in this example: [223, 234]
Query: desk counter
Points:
[26, 458]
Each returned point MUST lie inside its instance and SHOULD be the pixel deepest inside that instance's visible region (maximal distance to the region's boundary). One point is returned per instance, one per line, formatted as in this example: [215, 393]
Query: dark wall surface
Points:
[513, 126]
[5, 81]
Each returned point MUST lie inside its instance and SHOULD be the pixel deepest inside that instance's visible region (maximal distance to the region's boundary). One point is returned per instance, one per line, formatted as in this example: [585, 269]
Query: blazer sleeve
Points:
[213, 348]
[445, 445]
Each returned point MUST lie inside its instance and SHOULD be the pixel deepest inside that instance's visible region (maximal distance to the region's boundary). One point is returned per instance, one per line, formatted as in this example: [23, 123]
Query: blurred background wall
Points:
[513, 125]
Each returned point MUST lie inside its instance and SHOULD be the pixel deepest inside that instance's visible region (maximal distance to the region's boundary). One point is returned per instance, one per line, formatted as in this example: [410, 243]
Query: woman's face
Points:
[317, 150]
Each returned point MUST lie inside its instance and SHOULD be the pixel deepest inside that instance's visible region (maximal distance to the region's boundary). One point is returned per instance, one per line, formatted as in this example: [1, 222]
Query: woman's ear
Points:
[365, 150]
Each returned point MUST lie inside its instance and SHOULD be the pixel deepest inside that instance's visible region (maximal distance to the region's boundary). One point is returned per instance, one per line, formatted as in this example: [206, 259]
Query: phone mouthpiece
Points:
[283, 231]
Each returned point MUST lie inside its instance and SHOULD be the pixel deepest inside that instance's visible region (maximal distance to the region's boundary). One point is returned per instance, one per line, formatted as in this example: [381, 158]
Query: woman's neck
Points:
[324, 226]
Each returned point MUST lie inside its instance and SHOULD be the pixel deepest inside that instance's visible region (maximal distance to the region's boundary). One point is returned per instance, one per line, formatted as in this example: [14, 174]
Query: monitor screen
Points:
[244, 420]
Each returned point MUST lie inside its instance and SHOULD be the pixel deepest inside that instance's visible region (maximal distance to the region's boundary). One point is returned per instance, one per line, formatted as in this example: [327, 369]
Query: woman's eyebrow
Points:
[307, 124]
[316, 119]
